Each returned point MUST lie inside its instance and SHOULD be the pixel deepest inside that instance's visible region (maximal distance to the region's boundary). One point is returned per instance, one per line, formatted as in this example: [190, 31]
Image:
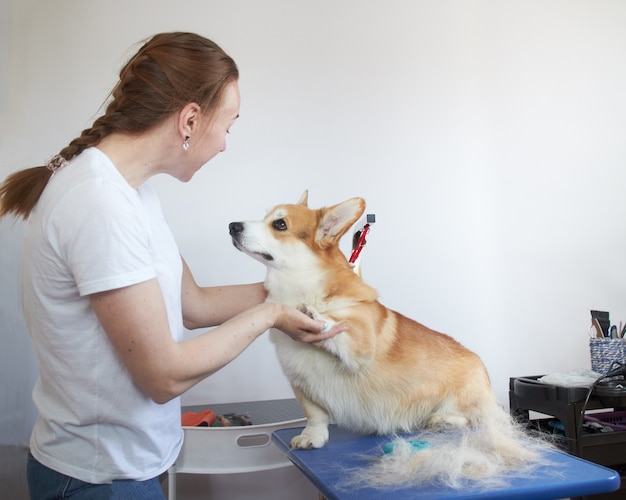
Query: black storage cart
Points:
[561, 409]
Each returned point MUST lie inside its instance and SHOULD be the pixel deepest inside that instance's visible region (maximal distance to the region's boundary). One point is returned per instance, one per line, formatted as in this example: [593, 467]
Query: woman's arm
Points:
[135, 320]
[211, 306]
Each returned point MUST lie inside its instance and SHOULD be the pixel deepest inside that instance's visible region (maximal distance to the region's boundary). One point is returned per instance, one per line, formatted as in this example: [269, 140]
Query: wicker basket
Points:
[605, 352]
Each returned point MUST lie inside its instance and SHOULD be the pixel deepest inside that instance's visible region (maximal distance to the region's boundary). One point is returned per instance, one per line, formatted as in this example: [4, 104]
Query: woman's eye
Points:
[279, 225]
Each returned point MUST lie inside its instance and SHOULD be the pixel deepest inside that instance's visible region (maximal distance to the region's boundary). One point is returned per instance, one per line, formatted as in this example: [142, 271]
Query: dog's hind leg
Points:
[447, 416]
[315, 434]
[442, 422]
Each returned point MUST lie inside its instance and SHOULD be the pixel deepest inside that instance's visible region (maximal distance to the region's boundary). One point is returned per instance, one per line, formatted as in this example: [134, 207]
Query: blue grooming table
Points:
[325, 467]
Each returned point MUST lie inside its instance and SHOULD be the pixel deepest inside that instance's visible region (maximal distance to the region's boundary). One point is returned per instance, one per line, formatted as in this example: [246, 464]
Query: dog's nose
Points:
[235, 228]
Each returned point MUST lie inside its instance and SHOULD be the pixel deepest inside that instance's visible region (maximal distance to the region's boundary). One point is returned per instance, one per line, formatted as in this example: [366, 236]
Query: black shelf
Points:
[564, 404]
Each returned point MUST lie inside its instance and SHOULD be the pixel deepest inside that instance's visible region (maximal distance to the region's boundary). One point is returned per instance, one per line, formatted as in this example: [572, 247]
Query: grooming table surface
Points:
[326, 467]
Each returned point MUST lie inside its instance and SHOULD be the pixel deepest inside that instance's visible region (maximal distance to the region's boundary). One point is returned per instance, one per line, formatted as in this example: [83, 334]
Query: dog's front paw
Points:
[309, 311]
[313, 314]
[310, 438]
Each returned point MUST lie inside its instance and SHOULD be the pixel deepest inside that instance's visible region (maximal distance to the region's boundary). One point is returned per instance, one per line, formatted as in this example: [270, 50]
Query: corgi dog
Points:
[385, 374]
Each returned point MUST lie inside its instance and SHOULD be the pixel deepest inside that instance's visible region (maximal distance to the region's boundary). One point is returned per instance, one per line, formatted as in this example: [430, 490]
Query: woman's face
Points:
[211, 137]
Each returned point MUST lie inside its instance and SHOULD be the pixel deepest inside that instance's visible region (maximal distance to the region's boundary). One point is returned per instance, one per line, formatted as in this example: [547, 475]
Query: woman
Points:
[105, 291]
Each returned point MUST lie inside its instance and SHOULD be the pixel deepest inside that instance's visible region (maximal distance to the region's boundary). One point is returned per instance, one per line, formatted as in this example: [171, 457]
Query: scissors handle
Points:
[360, 244]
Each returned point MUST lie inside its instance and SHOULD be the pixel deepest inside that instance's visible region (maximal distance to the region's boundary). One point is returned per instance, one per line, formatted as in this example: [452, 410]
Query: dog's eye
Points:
[279, 225]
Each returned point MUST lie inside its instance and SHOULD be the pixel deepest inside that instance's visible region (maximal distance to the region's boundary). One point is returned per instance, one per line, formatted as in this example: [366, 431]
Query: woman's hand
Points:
[303, 328]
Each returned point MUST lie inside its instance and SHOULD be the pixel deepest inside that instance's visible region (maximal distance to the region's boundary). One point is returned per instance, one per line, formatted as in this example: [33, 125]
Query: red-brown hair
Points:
[169, 71]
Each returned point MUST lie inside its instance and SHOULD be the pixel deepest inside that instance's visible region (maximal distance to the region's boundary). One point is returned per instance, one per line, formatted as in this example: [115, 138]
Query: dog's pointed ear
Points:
[337, 219]
[304, 199]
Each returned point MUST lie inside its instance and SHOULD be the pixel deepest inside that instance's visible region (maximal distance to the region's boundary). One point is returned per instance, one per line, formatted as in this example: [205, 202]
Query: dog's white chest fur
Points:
[339, 384]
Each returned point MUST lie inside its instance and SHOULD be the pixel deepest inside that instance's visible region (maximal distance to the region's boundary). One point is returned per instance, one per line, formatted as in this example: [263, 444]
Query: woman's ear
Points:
[188, 119]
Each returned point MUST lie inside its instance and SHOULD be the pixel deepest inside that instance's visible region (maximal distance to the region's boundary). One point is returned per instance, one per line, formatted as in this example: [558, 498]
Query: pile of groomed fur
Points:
[477, 459]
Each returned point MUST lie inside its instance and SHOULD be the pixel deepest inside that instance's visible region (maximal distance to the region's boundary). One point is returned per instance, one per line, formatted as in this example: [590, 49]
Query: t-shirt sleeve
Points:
[102, 235]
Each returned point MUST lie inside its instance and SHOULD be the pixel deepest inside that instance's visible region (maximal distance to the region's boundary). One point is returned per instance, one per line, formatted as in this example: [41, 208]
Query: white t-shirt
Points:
[91, 232]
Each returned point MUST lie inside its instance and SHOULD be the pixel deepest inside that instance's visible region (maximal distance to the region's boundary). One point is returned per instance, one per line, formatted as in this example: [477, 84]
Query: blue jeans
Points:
[46, 484]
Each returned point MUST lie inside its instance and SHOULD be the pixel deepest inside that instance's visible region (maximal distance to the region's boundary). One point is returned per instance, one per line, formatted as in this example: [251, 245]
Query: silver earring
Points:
[186, 143]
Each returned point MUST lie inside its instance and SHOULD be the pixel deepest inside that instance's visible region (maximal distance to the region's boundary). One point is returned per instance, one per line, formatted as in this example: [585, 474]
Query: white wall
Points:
[487, 136]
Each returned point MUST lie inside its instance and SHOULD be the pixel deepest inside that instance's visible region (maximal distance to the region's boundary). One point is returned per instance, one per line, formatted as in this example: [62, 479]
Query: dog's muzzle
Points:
[236, 230]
